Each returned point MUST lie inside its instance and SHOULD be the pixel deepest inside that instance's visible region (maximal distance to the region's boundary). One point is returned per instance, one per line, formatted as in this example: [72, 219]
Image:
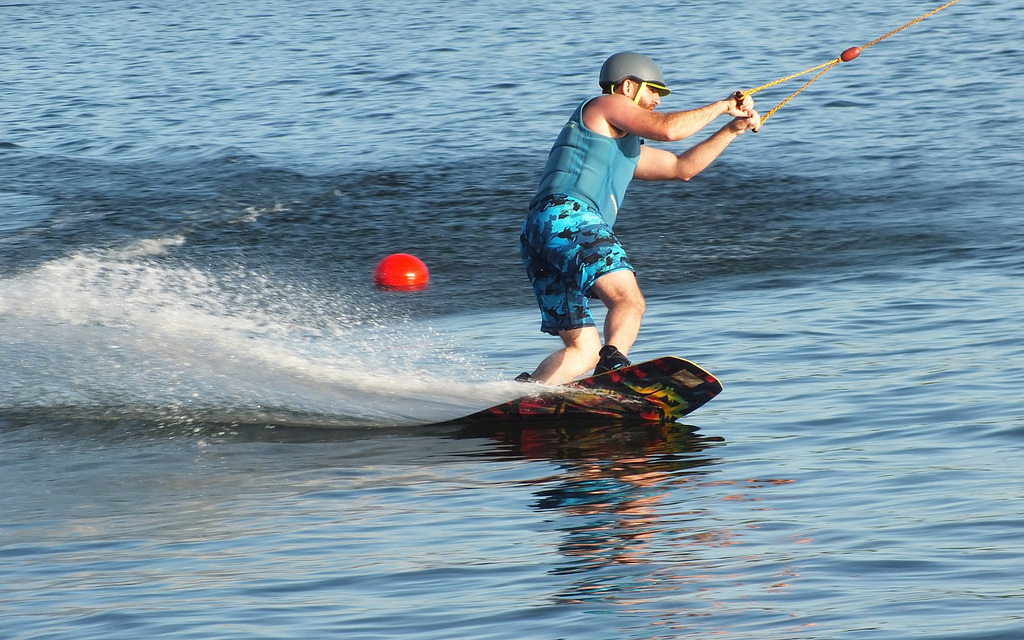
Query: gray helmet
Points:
[637, 66]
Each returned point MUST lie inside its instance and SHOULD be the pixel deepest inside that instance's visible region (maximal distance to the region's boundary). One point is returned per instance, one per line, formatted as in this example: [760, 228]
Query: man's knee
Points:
[586, 339]
[620, 288]
[641, 303]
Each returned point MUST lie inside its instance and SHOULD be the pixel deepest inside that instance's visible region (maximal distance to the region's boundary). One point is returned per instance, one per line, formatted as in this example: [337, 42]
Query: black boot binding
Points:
[611, 359]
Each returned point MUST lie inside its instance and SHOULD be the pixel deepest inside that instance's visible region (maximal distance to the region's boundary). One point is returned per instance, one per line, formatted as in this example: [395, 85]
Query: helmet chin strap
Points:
[639, 92]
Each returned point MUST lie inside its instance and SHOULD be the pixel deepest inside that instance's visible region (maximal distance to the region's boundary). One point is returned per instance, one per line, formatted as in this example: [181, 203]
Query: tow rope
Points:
[845, 56]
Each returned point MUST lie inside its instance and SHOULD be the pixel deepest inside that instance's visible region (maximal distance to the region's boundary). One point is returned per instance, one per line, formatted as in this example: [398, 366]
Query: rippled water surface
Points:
[213, 426]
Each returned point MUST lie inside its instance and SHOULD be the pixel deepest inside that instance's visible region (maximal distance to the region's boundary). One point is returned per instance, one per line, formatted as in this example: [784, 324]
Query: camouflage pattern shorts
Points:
[566, 246]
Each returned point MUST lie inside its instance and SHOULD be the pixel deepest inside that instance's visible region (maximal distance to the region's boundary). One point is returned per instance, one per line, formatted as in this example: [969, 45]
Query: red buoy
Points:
[401, 271]
[849, 54]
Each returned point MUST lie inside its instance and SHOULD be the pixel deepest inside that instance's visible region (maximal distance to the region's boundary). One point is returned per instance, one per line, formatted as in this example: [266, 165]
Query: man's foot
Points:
[524, 377]
[611, 359]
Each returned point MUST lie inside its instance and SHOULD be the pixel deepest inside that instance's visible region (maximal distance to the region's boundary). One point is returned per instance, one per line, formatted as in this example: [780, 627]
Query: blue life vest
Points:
[589, 166]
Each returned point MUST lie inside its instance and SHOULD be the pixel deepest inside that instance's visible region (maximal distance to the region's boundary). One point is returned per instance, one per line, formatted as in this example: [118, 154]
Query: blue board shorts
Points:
[566, 246]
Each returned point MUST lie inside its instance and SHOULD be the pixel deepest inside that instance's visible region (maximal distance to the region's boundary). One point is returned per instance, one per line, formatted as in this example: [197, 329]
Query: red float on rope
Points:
[849, 54]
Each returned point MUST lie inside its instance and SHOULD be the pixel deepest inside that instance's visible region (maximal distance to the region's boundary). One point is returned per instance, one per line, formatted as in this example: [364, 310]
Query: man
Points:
[567, 243]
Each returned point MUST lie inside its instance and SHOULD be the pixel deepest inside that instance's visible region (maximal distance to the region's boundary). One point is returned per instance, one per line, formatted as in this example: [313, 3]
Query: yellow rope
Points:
[827, 65]
[831, 63]
[911, 23]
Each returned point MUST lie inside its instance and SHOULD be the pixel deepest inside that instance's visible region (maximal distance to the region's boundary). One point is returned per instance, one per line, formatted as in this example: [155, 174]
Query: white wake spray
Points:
[128, 332]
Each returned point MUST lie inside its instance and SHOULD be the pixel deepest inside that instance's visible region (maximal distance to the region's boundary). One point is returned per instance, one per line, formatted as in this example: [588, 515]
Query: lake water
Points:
[212, 425]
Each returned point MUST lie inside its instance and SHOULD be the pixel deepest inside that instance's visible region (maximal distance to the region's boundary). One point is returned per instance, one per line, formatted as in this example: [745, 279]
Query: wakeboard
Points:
[660, 390]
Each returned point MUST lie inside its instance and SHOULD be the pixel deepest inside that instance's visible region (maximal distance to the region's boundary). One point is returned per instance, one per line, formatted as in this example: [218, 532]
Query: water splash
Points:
[128, 333]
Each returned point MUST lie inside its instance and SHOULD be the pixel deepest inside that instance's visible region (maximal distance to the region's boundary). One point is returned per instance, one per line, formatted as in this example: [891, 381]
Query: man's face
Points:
[649, 98]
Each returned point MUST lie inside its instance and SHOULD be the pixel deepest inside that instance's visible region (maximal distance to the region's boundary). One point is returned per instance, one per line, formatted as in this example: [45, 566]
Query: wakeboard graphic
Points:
[660, 390]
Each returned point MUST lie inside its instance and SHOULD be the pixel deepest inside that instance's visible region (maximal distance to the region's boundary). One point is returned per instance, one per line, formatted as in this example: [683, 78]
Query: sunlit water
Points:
[213, 426]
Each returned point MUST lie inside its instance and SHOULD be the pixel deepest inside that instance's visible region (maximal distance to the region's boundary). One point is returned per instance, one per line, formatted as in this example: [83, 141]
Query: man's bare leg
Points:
[578, 356]
[621, 294]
